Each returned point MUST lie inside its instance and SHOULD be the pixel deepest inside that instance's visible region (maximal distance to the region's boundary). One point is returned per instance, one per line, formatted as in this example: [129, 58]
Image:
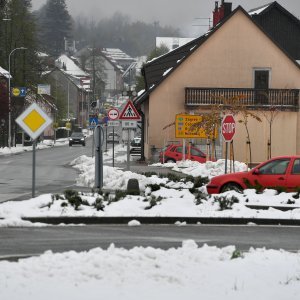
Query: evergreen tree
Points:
[18, 30]
[56, 27]
[156, 52]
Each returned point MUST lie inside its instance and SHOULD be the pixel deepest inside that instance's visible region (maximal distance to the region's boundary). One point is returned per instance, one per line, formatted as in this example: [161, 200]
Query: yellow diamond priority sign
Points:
[34, 121]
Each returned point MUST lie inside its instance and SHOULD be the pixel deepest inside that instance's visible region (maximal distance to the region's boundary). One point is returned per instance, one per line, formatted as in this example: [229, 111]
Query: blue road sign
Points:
[19, 91]
[23, 91]
[93, 122]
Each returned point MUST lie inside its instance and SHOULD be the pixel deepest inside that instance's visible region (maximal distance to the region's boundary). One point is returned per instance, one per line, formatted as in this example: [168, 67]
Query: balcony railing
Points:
[254, 98]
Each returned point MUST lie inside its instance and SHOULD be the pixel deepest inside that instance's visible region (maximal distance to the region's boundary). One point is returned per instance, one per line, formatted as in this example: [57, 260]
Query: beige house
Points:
[236, 57]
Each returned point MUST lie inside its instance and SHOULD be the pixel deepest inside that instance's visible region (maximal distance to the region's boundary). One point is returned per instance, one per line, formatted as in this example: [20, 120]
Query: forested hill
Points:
[136, 38]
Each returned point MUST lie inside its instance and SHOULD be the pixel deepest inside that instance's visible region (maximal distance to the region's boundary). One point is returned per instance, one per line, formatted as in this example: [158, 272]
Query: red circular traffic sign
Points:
[228, 127]
[113, 114]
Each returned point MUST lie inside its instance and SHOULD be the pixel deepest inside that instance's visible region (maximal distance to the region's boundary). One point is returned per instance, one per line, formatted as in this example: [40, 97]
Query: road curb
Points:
[160, 220]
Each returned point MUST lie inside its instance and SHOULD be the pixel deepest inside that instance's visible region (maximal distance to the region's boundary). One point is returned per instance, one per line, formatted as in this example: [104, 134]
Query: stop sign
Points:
[228, 128]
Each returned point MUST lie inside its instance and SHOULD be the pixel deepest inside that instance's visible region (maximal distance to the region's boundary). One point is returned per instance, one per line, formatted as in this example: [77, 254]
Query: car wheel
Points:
[170, 160]
[232, 187]
[70, 145]
[83, 144]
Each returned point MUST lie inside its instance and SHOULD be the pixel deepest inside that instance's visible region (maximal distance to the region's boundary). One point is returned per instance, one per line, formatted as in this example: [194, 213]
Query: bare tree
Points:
[270, 115]
[237, 107]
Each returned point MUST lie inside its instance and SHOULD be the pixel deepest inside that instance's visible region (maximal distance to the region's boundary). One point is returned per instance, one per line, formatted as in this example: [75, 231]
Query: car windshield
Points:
[136, 141]
[77, 134]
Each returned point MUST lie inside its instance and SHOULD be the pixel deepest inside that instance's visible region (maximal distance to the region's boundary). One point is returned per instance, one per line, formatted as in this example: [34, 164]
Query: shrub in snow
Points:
[256, 186]
[226, 202]
[200, 197]
[57, 197]
[290, 201]
[149, 174]
[73, 198]
[237, 254]
[297, 195]
[118, 196]
[200, 181]
[98, 204]
[154, 187]
[153, 201]
[172, 177]
[280, 189]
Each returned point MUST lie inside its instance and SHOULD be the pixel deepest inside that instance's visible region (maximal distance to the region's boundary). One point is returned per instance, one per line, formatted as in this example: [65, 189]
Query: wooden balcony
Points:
[284, 99]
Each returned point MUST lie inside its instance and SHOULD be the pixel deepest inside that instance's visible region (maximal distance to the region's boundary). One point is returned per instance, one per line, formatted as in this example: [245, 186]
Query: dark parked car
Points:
[279, 172]
[77, 138]
[173, 153]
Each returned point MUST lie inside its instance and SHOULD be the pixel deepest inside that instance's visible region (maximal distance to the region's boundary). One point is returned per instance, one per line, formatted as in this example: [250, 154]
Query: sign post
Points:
[34, 121]
[98, 135]
[228, 132]
[113, 115]
[129, 113]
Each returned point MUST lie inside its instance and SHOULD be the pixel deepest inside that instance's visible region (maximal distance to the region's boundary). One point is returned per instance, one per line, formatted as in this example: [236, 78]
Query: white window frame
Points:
[261, 69]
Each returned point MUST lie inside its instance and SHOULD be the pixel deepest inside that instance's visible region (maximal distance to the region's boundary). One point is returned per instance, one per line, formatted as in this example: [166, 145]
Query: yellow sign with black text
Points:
[189, 126]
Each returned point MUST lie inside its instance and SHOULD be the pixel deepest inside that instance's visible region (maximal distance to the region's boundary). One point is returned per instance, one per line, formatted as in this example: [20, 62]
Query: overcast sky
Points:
[177, 13]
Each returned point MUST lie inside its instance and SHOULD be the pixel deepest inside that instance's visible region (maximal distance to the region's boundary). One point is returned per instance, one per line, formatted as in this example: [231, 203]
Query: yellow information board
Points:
[187, 126]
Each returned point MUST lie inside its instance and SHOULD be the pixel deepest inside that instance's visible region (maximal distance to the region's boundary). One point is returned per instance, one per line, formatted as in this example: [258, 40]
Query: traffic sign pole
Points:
[113, 149]
[226, 156]
[99, 157]
[33, 167]
[34, 121]
[228, 132]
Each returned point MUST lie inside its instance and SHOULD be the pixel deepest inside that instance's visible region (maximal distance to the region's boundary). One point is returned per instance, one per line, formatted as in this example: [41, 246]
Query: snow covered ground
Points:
[146, 273]
[42, 145]
[187, 272]
[160, 197]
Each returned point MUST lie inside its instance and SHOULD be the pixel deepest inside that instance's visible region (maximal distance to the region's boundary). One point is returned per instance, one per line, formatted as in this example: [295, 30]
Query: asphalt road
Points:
[21, 242]
[53, 172]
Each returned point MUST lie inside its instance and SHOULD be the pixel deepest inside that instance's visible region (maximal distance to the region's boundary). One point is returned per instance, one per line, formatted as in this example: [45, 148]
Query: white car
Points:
[135, 146]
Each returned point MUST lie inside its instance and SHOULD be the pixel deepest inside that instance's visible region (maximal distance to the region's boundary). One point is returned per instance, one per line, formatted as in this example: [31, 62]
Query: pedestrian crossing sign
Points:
[129, 112]
[93, 122]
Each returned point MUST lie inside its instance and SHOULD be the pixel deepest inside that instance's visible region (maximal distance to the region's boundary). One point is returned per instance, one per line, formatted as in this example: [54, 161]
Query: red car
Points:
[283, 171]
[173, 153]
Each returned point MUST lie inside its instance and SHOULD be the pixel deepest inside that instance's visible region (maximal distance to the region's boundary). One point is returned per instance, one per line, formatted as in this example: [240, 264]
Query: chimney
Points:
[221, 12]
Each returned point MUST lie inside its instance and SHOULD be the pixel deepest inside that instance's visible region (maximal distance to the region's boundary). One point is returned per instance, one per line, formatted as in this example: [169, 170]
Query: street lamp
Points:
[9, 95]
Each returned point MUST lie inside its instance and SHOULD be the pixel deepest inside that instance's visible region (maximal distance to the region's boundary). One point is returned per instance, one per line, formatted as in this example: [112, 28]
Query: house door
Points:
[261, 85]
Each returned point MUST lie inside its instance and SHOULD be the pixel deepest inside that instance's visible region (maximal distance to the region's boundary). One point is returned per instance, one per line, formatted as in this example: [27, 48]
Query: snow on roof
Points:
[4, 72]
[42, 54]
[68, 65]
[167, 71]
[258, 10]
[116, 54]
[172, 42]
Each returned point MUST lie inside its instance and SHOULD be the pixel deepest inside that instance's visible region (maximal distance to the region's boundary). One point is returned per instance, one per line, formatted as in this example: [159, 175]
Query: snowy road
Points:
[16, 242]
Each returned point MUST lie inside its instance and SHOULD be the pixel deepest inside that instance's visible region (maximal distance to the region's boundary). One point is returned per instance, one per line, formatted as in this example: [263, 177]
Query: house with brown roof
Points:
[241, 56]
